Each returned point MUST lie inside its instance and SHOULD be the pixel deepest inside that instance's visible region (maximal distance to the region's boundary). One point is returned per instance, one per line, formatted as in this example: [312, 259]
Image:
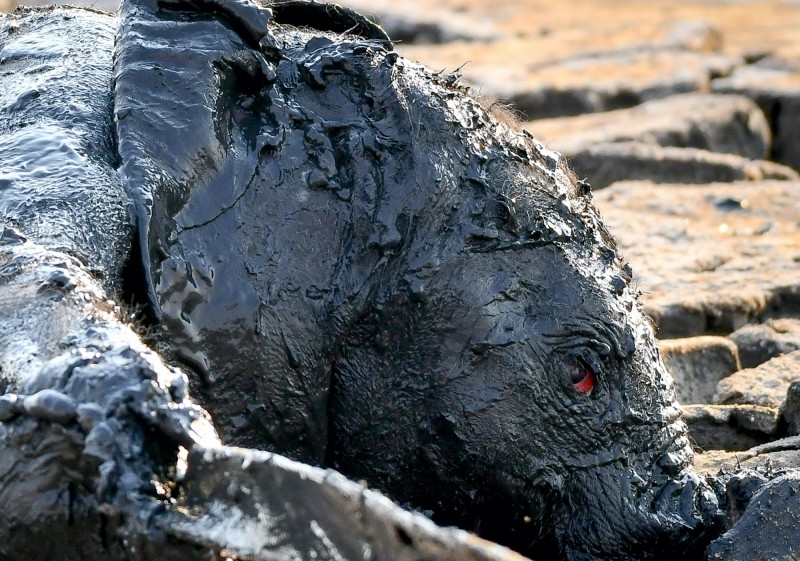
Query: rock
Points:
[605, 164]
[697, 364]
[787, 444]
[767, 528]
[431, 26]
[705, 138]
[765, 384]
[771, 460]
[759, 343]
[730, 427]
[777, 92]
[695, 35]
[596, 82]
[403, 29]
[709, 258]
[718, 123]
[740, 489]
[6, 6]
[790, 410]
[713, 461]
[539, 36]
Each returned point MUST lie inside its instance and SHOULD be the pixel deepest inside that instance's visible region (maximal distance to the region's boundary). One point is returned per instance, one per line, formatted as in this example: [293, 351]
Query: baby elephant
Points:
[358, 267]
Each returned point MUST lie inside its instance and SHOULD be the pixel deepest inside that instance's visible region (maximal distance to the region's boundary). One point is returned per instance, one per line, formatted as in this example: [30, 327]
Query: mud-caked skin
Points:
[360, 267]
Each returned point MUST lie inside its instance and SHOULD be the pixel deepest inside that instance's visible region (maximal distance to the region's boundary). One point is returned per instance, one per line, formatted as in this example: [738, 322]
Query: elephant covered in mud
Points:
[357, 266]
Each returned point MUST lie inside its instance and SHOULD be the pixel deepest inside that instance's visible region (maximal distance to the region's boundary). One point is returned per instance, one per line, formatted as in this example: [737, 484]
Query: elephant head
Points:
[365, 269]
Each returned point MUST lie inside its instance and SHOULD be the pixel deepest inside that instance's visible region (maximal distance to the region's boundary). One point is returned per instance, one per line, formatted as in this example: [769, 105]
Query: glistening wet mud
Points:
[362, 269]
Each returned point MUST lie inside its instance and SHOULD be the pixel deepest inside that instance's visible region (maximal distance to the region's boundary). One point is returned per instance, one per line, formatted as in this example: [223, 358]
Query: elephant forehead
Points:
[537, 290]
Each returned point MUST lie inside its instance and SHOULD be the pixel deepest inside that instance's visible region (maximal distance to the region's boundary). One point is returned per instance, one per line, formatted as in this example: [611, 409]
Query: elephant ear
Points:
[188, 74]
[178, 66]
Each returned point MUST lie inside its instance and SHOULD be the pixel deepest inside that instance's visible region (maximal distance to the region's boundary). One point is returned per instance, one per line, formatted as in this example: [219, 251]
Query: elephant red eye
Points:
[582, 378]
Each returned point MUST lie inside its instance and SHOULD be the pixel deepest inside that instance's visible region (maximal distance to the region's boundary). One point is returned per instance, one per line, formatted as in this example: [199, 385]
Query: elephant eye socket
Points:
[581, 377]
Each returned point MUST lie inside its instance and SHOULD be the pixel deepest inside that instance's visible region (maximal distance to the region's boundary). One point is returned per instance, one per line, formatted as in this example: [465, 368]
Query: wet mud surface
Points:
[357, 266]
